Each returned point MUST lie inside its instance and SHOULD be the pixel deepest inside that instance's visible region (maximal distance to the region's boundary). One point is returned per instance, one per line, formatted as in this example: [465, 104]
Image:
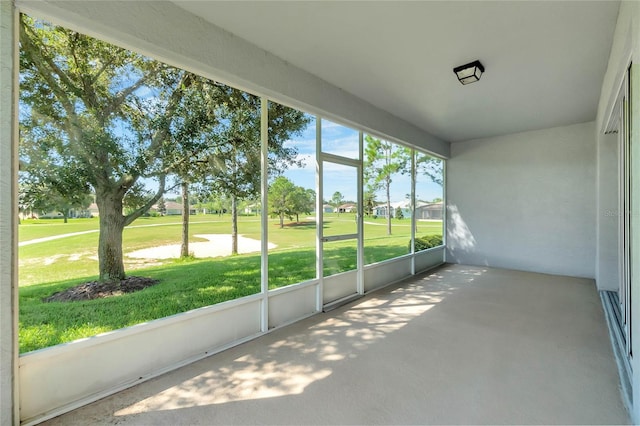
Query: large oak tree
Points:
[113, 118]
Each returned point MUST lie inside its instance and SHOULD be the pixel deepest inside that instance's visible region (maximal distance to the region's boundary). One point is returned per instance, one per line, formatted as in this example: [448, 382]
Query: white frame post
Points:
[360, 217]
[414, 221]
[319, 217]
[9, 395]
[264, 216]
[634, 81]
[445, 203]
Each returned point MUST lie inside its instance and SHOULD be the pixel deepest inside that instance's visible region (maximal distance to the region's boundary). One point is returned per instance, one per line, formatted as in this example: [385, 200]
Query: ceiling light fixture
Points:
[470, 72]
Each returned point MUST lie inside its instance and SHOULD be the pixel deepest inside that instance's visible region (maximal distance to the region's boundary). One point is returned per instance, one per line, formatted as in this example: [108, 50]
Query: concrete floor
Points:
[463, 345]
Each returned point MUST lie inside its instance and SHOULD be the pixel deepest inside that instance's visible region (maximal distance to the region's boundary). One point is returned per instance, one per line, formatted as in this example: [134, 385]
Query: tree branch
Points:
[161, 134]
[37, 50]
[46, 67]
[122, 95]
[128, 219]
[102, 69]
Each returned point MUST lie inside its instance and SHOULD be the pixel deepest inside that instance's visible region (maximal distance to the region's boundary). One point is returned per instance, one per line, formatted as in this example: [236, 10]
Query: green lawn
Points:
[52, 266]
[30, 229]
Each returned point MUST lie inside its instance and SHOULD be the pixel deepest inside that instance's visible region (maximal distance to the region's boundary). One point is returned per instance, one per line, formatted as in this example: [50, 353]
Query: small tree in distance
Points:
[287, 199]
[337, 199]
[281, 201]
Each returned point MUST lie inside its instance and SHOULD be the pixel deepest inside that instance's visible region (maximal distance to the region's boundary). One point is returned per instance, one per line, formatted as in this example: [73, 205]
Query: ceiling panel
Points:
[544, 61]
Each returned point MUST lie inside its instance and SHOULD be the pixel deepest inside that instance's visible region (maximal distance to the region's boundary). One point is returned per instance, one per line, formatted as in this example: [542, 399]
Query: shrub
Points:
[426, 242]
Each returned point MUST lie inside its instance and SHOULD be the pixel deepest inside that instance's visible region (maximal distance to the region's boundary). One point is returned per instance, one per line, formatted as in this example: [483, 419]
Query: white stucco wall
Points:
[525, 201]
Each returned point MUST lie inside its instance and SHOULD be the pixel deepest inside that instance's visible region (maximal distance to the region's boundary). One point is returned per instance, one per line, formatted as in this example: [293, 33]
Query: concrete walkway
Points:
[463, 345]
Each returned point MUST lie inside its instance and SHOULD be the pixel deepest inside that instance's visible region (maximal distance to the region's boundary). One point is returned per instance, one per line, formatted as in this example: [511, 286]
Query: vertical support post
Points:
[414, 220]
[634, 170]
[9, 395]
[264, 216]
[319, 216]
[360, 217]
[444, 205]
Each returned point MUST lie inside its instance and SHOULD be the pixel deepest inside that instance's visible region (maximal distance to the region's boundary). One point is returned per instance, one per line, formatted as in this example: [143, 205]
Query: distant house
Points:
[433, 211]
[346, 208]
[93, 210]
[54, 214]
[381, 209]
[252, 209]
[49, 215]
[326, 208]
[171, 208]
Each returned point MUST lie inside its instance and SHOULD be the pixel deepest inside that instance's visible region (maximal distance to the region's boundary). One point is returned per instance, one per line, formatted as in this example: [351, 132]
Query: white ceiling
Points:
[544, 61]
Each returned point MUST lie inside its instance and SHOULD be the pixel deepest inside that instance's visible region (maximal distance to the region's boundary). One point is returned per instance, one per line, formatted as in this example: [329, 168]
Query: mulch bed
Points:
[98, 289]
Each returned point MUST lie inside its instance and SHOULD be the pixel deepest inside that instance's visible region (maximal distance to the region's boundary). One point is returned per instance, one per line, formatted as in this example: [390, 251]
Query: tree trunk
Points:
[281, 220]
[65, 216]
[111, 265]
[184, 248]
[234, 225]
[388, 209]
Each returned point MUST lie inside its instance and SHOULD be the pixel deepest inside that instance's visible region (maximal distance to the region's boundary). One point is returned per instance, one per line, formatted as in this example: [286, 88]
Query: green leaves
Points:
[287, 199]
[383, 159]
[431, 167]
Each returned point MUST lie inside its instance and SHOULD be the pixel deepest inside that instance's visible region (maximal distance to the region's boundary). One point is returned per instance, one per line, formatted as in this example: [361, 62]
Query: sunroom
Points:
[475, 236]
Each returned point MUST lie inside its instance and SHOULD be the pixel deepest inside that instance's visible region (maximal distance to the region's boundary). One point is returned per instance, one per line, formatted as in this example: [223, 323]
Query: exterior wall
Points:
[170, 34]
[525, 201]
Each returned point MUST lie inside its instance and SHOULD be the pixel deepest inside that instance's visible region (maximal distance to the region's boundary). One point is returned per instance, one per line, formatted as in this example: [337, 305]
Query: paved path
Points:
[73, 234]
[54, 237]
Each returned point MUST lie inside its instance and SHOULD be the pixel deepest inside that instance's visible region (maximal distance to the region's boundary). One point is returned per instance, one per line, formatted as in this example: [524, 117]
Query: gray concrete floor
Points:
[462, 345]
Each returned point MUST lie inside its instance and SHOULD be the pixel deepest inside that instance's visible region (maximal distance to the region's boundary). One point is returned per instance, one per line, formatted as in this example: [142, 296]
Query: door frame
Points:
[321, 159]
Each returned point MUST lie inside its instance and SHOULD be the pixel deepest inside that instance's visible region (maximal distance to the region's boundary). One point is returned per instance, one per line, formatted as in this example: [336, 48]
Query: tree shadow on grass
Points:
[308, 224]
[303, 225]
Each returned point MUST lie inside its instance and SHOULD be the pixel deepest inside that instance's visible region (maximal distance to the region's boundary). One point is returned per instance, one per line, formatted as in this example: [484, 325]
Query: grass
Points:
[49, 267]
[30, 229]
